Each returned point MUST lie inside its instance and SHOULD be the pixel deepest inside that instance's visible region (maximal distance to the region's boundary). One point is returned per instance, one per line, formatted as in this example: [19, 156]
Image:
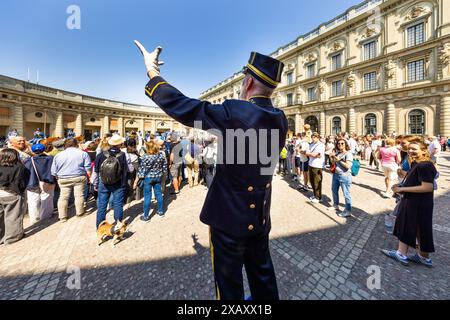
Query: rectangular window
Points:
[336, 62]
[290, 99]
[416, 35]
[370, 81]
[289, 78]
[312, 94]
[370, 50]
[336, 87]
[416, 70]
[311, 70]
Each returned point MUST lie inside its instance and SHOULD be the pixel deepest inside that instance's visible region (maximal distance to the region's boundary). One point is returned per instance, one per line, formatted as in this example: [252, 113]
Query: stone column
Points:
[79, 125]
[142, 125]
[59, 125]
[322, 124]
[351, 120]
[105, 127]
[120, 126]
[298, 123]
[171, 125]
[390, 118]
[17, 119]
[445, 117]
[153, 126]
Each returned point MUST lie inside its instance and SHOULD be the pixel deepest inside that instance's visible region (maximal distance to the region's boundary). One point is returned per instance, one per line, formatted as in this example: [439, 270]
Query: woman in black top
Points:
[13, 181]
[414, 222]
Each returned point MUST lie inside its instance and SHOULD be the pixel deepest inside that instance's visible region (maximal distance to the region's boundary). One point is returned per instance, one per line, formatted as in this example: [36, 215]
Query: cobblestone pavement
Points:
[317, 255]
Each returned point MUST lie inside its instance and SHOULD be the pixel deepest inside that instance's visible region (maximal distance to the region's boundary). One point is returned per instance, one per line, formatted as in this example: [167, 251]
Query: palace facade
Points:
[26, 106]
[383, 66]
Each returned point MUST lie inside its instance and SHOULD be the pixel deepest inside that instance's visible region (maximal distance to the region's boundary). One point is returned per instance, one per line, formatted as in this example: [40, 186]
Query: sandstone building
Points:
[383, 66]
[26, 106]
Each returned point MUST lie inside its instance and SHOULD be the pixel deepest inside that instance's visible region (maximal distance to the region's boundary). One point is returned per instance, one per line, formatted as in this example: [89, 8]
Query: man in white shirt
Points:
[316, 154]
[434, 148]
[352, 143]
[302, 162]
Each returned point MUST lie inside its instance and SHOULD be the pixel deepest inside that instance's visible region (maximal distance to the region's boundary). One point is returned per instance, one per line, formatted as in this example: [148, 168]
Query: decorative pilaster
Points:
[120, 126]
[105, 127]
[79, 125]
[445, 116]
[322, 125]
[153, 126]
[351, 120]
[17, 118]
[298, 123]
[142, 125]
[390, 118]
[59, 125]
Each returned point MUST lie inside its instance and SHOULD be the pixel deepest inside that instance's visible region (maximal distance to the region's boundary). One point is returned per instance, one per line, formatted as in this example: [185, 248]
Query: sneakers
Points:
[161, 214]
[393, 254]
[294, 178]
[420, 260]
[344, 214]
[145, 219]
[63, 220]
[314, 200]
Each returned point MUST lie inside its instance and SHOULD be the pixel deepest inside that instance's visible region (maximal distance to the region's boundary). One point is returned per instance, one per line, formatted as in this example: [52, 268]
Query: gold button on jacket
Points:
[268, 186]
[252, 206]
[250, 227]
[250, 189]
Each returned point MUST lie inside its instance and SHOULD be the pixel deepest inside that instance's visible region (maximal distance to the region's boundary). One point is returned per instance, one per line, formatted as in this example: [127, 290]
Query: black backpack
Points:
[111, 169]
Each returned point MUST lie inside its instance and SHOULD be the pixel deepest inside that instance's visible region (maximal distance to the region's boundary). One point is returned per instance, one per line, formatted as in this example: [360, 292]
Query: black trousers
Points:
[229, 254]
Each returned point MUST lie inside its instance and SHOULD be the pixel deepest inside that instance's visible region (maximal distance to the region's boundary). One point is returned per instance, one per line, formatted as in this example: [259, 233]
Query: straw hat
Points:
[115, 140]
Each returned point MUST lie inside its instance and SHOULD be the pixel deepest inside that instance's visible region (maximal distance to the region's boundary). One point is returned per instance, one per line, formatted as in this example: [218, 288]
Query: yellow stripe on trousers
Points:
[211, 251]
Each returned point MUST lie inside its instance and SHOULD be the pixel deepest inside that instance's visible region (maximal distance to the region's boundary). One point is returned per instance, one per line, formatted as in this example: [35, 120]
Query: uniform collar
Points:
[262, 101]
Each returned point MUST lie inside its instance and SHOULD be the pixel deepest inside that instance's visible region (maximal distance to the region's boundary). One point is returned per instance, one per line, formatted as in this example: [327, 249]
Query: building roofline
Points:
[363, 7]
[23, 86]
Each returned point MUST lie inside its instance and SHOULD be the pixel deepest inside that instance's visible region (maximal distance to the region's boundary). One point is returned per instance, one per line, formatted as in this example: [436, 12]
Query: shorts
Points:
[298, 163]
[390, 171]
[175, 170]
[304, 166]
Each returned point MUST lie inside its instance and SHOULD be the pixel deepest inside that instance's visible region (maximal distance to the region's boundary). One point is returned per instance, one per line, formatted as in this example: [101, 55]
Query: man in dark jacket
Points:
[237, 207]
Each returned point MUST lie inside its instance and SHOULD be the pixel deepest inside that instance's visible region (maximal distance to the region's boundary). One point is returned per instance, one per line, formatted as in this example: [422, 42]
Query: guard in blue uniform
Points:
[237, 207]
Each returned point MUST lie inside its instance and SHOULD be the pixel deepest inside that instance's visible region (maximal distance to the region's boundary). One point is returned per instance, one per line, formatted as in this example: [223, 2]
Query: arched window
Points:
[337, 126]
[416, 121]
[313, 122]
[370, 122]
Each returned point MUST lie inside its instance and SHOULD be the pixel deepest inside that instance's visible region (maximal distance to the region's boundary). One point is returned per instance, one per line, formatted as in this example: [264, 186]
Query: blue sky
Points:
[204, 41]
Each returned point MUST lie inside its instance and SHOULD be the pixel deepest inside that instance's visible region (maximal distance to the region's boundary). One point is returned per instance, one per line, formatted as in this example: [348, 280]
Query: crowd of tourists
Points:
[47, 176]
[409, 164]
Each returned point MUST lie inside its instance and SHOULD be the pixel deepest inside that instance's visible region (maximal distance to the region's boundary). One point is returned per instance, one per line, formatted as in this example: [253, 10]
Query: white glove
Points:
[151, 60]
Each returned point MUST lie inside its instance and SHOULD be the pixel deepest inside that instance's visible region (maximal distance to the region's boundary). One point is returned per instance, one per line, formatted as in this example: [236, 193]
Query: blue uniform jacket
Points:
[238, 202]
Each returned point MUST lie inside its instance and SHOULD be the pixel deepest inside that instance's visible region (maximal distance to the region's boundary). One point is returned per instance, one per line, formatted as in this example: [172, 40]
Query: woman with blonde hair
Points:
[151, 170]
[414, 223]
[390, 158]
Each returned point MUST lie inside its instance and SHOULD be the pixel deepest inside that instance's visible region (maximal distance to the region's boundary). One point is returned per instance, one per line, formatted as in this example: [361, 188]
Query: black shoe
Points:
[145, 219]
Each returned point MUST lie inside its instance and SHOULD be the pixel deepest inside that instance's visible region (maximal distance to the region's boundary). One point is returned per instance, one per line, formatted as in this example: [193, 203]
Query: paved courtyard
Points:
[317, 255]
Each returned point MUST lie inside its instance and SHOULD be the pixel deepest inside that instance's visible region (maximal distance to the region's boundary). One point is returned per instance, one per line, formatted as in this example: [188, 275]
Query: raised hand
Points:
[151, 60]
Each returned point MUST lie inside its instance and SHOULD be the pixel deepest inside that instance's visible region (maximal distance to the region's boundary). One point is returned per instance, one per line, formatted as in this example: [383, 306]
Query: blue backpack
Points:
[355, 167]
